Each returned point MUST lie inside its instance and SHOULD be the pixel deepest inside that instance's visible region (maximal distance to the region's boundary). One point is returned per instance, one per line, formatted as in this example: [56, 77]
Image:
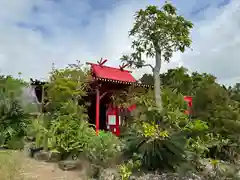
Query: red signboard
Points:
[188, 99]
[113, 120]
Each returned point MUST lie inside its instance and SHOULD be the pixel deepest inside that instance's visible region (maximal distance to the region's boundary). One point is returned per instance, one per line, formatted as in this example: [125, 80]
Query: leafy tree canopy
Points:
[158, 33]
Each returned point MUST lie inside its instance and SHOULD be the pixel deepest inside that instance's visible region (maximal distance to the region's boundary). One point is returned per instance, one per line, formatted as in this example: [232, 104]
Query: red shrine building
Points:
[105, 80]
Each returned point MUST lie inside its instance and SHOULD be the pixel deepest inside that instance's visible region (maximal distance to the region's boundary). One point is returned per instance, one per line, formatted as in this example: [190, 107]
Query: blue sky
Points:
[35, 34]
[77, 15]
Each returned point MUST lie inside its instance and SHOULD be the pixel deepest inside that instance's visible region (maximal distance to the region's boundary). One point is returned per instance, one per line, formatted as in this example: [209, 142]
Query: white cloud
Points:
[104, 35]
[26, 50]
[216, 44]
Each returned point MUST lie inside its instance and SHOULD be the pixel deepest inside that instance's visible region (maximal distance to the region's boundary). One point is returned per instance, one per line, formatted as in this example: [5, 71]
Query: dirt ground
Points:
[36, 170]
[15, 165]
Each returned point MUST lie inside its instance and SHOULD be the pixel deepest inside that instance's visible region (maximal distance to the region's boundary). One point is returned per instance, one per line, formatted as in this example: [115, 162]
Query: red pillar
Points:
[97, 110]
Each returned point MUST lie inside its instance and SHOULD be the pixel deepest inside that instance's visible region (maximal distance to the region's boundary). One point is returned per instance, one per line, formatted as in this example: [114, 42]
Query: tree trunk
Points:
[157, 81]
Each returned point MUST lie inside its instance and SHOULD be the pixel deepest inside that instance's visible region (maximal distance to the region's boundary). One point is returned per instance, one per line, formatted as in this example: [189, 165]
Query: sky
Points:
[36, 34]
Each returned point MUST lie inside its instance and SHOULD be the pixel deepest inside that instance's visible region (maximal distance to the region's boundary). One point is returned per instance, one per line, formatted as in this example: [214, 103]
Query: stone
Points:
[42, 156]
[54, 156]
[94, 171]
[83, 167]
[30, 149]
[109, 174]
[69, 165]
[27, 149]
[4, 148]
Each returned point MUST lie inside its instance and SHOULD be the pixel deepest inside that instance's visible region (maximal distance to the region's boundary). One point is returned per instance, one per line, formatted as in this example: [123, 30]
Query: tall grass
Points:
[10, 165]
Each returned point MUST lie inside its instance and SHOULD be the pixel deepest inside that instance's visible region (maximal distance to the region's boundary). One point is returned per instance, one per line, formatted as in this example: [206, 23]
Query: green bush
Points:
[69, 135]
[13, 119]
[68, 130]
[15, 143]
[158, 137]
[104, 149]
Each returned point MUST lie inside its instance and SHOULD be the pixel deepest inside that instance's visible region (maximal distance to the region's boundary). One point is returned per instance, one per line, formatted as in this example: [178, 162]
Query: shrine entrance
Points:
[106, 80]
[102, 111]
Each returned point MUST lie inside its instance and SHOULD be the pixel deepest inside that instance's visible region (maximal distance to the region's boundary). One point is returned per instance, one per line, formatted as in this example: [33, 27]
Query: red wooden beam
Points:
[99, 61]
[103, 95]
[123, 66]
[88, 63]
[103, 62]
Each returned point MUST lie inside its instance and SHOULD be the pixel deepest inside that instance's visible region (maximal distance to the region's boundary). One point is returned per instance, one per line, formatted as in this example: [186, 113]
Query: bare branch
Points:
[145, 65]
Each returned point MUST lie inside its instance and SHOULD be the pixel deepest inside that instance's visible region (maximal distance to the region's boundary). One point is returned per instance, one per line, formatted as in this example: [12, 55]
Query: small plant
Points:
[126, 170]
[37, 130]
[104, 149]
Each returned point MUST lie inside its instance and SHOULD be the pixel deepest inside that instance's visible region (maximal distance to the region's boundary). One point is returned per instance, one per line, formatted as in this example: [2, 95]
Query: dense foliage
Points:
[215, 105]
[166, 141]
[152, 140]
[64, 127]
[13, 119]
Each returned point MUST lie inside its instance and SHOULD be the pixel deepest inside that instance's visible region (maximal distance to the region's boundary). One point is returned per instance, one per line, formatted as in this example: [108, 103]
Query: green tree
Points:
[214, 104]
[65, 89]
[234, 92]
[158, 33]
[65, 85]
[147, 79]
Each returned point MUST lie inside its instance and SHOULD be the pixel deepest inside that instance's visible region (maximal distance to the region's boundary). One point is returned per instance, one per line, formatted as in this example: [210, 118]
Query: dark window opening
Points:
[102, 111]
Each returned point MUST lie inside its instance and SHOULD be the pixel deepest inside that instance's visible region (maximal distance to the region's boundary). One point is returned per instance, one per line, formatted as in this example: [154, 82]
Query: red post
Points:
[97, 110]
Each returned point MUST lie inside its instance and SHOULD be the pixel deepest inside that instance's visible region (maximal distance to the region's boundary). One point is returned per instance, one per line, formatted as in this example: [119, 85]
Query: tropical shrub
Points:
[158, 148]
[63, 116]
[157, 138]
[69, 135]
[104, 149]
[13, 119]
[68, 130]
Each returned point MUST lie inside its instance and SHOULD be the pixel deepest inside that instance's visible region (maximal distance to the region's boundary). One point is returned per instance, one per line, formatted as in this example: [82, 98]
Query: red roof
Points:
[116, 74]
